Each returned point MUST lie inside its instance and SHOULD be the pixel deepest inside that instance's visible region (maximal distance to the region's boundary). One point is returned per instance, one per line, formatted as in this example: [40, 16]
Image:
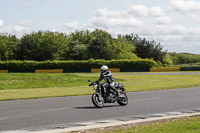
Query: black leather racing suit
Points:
[107, 76]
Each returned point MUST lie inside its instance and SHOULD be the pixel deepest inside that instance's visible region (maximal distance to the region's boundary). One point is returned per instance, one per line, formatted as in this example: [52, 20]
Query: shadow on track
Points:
[93, 107]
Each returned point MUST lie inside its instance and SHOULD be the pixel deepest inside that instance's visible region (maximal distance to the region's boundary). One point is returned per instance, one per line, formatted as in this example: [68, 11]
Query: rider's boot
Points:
[119, 95]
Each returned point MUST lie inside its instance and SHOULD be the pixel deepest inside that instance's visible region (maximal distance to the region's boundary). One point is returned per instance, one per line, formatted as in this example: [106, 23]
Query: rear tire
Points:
[123, 101]
[97, 101]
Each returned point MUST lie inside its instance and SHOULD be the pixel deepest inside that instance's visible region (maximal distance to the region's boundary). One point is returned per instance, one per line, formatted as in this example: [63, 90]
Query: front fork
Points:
[100, 93]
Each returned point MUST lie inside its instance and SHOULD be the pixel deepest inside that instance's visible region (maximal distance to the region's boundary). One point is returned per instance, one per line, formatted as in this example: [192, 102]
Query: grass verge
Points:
[177, 125]
[32, 85]
[35, 80]
[159, 82]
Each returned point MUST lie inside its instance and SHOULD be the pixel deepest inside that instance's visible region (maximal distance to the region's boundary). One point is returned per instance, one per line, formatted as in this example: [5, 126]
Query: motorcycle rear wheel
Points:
[97, 100]
[123, 101]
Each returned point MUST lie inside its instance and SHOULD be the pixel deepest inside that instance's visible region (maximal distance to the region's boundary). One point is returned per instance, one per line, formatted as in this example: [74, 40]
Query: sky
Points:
[175, 24]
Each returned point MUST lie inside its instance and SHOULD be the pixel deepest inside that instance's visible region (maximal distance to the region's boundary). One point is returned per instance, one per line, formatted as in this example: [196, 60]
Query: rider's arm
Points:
[100, 78]
[108, 74]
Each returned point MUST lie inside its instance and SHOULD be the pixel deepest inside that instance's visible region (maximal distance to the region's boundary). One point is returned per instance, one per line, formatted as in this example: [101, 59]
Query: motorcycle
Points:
[104, 94]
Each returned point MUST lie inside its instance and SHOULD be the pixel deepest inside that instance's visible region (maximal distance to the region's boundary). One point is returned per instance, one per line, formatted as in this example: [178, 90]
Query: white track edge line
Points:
[103, 125]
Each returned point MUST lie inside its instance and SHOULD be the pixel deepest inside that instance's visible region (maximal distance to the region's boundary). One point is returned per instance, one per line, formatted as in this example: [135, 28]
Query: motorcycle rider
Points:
[107, 76]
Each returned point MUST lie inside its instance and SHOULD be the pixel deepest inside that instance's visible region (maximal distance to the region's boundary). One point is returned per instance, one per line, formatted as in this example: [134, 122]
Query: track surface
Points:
[37, 113]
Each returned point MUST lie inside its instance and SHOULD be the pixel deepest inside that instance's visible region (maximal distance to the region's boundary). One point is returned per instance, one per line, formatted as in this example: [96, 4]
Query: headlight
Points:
[95, 86]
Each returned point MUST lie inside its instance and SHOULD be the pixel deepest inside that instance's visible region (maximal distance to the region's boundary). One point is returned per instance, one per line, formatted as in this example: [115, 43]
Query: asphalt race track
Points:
[46, 112]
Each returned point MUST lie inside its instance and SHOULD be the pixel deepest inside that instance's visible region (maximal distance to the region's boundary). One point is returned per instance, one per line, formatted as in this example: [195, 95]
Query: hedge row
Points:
[190, 68]
[87, 64]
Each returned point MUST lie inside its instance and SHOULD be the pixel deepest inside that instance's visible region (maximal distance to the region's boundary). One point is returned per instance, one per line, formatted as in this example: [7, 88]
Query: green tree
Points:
[79, 41]
[122, 49]
[185, 58]
[168, 60]
[103, 46]
[147, 49]
[8, 46]
[43, 46]
[78, 51]
[99, 46]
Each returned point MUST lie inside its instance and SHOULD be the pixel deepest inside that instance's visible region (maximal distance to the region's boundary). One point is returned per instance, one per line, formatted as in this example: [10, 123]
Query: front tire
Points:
[123, 101]
[97, 100]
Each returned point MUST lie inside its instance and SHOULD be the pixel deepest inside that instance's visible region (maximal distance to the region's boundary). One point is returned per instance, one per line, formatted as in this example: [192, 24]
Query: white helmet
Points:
[104, 69]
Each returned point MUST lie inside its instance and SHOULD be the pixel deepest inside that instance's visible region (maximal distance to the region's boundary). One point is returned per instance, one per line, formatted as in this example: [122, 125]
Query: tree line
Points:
[184, 58]
[81, 45]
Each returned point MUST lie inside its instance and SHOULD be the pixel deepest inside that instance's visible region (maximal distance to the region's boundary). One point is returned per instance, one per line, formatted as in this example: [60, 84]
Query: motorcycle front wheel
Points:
[97, 100]
[123, 101]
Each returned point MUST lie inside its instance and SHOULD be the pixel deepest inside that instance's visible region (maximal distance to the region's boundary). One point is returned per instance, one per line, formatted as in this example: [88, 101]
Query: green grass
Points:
[33, 85]
[186, 125]
[159, 82]
[34, 80]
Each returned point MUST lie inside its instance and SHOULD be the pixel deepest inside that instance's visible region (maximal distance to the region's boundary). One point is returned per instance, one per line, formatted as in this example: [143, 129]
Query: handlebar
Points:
[91, 84]
[96, 82]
